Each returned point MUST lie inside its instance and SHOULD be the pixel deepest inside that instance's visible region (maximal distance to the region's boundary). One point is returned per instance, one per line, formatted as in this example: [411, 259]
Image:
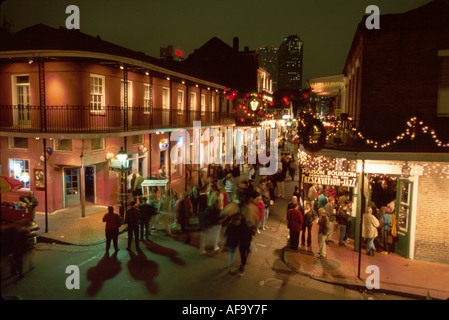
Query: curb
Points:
[44, 239]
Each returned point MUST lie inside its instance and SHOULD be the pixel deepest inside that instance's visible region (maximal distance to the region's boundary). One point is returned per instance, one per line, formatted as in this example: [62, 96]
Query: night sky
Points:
[326, 27]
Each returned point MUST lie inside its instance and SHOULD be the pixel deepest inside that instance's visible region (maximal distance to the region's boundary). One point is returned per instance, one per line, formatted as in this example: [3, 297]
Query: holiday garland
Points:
[307, 130]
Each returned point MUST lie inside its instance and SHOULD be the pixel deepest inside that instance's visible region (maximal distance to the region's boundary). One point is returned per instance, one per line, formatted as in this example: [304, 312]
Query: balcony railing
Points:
[84, 119]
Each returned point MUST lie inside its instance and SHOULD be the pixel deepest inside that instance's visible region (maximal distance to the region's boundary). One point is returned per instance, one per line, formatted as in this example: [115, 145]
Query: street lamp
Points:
[122, 157]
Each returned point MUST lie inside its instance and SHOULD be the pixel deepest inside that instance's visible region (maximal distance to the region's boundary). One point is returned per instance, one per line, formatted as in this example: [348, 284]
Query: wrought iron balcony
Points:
[85, 119]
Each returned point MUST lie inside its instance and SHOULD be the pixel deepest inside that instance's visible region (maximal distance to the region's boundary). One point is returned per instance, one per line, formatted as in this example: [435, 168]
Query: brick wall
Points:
[432, 223]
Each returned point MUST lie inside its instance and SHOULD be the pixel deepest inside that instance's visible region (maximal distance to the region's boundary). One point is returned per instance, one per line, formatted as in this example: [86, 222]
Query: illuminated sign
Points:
[330, 177]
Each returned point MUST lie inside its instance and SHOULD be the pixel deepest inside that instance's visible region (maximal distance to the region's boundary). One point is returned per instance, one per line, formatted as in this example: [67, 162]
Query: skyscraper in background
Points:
[268, 59]
[290, 56]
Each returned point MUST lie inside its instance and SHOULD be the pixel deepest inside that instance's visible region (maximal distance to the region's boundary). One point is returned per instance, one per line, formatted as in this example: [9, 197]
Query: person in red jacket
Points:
[113, 222]
[295, 220]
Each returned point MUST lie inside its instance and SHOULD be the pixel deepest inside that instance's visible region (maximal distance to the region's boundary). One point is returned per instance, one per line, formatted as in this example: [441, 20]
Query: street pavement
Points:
[397, 275]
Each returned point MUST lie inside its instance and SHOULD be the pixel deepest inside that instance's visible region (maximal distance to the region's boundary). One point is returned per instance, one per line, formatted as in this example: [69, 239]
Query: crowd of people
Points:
[330, 208]
[231, 209]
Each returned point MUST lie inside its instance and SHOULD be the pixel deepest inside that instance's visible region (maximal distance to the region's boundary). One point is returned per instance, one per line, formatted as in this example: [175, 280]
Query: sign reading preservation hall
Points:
[330, 177]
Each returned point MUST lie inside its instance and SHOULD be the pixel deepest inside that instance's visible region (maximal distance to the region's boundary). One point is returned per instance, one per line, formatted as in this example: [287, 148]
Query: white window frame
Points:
[56, 145]
[180, 101]
[193, 101]
[22, 115]
[95, 106]
[203, 103]
[147, 98]
[165, 98]
[212, 102]
[12, 172]
[12, 146]
[103, 145]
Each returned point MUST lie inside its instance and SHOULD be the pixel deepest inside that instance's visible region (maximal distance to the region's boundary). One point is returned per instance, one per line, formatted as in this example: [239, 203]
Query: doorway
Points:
[89, 182]
[71, 187]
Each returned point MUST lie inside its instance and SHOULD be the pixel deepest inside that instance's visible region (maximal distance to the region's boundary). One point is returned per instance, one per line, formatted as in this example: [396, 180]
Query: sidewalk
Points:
[66, 226]
[398, 275]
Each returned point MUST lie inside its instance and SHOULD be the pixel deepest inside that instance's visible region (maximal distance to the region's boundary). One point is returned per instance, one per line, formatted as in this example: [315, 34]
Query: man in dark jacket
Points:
[132, 219]
[113, 223]
[146, 211]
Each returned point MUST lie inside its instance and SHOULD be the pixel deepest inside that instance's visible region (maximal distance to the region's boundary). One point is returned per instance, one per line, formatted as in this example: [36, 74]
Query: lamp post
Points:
[122, 157]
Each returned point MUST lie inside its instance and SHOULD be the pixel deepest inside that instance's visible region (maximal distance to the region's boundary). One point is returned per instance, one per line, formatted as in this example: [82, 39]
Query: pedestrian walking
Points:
[266, 210]
[369, 231]
[295, 220]
[260, 205]
[292, 167]
[133, 219]
[113, 223]
[230, 186]
[280, 177]
[342, 219]
[323, 230]
[183, 211]
[193, 197]
[386, 223]
[309, 217]
[331, 214]
[233, 231]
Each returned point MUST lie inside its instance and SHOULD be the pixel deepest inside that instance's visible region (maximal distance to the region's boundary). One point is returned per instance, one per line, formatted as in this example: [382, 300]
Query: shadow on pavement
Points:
[107, 268]
[164, 251]
[143, 269]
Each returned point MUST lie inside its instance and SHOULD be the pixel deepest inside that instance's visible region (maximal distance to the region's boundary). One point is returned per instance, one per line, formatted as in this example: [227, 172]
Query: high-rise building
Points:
[169, 54]
[268, 59]
[290, 64]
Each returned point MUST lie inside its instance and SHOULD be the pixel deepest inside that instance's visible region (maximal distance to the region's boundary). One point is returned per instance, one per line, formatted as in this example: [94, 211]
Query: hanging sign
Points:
[330, 178]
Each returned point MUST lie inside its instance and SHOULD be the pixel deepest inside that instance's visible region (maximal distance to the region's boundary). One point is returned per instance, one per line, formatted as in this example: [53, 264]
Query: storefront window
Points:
[20, 169]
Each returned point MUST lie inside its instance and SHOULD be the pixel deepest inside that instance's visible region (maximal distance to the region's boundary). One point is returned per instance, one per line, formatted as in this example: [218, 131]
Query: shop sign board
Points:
[330, 177]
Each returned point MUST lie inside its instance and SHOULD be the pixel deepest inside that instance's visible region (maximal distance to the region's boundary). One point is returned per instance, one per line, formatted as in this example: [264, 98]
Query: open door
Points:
[403, 213]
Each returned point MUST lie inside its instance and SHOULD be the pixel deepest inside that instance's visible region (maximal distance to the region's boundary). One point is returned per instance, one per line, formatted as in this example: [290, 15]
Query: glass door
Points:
[22, 101]
[72, 186]
[403, 213]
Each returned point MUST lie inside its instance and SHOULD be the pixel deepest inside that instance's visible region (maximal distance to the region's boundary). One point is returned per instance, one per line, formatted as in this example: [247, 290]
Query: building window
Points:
[97, 100]
[203, 104]
[20, 169]
[193, 101]
[212, 102]
[63, 145]
[137, 139]
[165, 98]
[97, 144]
[21, 99]
[180, 102]
[147, 98]
[18, 143]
